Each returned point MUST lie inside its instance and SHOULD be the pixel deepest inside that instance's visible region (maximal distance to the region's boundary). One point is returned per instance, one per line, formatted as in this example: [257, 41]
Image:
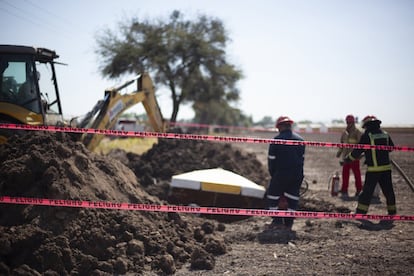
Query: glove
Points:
[341, 163]
[338, 154]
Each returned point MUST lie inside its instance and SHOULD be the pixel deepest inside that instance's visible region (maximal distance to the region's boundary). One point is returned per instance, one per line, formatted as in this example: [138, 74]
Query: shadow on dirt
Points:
[281, 236]
[370, 226]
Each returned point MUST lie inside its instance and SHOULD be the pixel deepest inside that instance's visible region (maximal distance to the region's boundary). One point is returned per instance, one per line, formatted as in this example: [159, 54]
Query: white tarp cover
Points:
[217, 180]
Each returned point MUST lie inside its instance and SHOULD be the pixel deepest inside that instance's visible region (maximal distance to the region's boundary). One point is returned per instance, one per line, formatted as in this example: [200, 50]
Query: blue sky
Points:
[310, 59]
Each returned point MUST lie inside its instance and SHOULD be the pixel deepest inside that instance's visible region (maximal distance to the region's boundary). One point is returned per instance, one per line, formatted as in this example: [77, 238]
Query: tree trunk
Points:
[176, 105]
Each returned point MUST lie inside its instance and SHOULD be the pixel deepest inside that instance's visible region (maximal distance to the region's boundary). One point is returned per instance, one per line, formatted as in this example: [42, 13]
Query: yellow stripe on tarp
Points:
[220, 188]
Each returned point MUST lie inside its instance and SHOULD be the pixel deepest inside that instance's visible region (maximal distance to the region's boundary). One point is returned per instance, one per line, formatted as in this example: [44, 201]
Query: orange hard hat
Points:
[350, 119]
[369, 119]
[283, 120]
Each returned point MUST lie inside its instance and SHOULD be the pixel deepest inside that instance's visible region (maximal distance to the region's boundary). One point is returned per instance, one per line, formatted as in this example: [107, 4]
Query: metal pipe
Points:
[403, 175]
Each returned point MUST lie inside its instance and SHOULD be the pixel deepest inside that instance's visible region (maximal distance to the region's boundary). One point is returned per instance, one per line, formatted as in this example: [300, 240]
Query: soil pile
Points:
[54, 240]
[169, 157]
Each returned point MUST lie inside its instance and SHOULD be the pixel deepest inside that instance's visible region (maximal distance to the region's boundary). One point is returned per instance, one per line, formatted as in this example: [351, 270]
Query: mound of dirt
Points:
[44, 240]
[155, 168]
[169, 157]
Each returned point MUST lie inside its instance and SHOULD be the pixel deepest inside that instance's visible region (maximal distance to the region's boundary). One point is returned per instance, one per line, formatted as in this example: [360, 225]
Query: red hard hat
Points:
[350, 119]
[368, 119]
[283, 120]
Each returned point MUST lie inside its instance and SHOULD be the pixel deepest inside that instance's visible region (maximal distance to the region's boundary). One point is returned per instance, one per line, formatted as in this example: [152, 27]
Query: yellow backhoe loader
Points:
[29, 94]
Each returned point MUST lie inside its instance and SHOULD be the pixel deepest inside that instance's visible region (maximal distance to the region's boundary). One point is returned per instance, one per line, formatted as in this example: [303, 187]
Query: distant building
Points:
[129, 125]
[311, 128]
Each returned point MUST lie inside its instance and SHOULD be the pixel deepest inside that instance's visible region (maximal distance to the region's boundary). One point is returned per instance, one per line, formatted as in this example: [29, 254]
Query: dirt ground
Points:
[324, 247]
[39, 240]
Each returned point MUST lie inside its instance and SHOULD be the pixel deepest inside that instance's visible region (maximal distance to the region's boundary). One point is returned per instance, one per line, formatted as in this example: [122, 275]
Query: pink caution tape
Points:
[228, 139]
[253, 129]
[194, 210]
[195, 125]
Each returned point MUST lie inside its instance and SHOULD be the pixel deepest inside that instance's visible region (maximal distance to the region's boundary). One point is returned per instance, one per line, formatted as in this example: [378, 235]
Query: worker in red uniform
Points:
[378, 166]
[285, 164]
[350, 135]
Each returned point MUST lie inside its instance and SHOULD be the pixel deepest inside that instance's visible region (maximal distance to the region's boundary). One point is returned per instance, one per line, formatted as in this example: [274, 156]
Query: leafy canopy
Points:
[188, 57]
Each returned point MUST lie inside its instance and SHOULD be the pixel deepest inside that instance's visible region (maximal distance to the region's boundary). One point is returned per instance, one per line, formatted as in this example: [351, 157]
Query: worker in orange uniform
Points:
[285, 164]
[351, 135]
[378, 166]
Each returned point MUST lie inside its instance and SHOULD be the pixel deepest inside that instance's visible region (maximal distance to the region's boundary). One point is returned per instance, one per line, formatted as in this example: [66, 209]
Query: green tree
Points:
[220, 113]
[186, 56]
[305, 122]
[266, 121]
[337, 121]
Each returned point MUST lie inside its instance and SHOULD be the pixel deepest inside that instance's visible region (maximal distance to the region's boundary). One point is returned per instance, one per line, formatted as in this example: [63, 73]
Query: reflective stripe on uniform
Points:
[362, 207]
[271, 157]
[375, 167]
[373, 151]
[291, 196]
[391, 208]
[379, 168]
[273, 197]
[379, 135]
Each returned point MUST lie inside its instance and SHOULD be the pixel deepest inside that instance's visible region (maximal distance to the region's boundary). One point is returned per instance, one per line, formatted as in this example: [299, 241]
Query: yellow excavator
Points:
[29, 94]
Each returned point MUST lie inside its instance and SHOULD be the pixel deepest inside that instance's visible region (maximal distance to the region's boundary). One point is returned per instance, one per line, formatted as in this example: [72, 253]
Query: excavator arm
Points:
[107, 111]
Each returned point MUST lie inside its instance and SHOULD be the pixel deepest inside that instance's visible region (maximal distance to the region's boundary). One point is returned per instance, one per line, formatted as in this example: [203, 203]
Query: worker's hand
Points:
[341, 163]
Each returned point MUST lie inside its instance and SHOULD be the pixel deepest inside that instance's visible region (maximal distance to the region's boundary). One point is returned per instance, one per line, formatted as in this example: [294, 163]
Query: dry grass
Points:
[134, 145]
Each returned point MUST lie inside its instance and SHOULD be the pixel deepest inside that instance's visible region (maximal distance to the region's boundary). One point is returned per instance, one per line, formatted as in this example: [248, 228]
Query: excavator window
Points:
[28, 86]
[20, 77]
[47, 88]
[18, 84]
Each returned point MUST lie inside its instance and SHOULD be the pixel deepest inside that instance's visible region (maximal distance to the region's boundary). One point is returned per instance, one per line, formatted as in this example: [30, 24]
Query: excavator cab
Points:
[23, 71]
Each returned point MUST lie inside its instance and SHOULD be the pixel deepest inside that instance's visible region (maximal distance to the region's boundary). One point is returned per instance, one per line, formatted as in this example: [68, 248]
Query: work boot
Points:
[386, 222]
[275, 226]
[357, 193]
[277, 223]
[365, 224]
[344, 195]
[289, 223]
